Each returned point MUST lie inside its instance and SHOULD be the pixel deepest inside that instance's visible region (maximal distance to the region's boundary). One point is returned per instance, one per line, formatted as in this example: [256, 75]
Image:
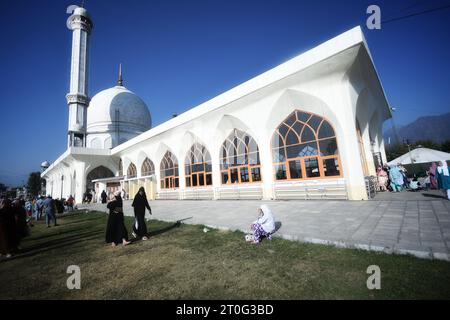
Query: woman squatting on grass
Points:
[264, 226]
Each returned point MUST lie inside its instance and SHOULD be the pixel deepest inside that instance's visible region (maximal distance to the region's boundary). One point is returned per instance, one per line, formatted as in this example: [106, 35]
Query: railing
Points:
[371, 186]
[198, 194]
[310, 190]
[239, 192]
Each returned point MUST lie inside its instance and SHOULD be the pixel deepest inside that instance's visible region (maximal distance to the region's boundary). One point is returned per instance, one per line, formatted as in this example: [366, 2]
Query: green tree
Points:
[427, 144]
[34, 183]
[445, 146]
[395, 150]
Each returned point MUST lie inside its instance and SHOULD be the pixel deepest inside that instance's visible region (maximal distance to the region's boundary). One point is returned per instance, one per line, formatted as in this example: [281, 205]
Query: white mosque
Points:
[310, 128]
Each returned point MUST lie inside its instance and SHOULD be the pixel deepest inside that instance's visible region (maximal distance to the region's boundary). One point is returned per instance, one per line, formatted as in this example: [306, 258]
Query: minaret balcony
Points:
[80, 22]
[77, 98]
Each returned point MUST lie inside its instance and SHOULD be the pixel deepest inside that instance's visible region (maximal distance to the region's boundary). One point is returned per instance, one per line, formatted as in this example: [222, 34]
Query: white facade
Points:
[335, 81]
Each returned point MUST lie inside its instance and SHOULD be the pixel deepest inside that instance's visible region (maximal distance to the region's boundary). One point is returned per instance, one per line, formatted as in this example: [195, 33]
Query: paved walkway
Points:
[401, 223]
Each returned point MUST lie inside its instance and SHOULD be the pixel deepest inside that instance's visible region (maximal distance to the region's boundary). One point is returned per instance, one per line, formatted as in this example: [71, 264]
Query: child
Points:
[427, 181]
[414, 184]
[264, 226]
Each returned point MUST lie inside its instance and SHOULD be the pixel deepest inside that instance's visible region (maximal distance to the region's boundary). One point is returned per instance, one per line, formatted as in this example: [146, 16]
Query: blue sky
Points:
[177, 54]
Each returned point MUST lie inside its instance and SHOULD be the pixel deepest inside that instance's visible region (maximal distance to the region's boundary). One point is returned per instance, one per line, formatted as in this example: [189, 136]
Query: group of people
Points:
[16, 220]
[47, 206]
[116, 231]
[394, 178]
[93, 197]
[391, 178]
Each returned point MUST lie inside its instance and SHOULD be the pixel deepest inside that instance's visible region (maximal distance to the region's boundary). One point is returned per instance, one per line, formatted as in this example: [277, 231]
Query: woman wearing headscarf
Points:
[443, 178]
[140, 202]
[396, 178]
[432, 171]
[116, 231]
[264, 226]
[382, 179]
[8, 237]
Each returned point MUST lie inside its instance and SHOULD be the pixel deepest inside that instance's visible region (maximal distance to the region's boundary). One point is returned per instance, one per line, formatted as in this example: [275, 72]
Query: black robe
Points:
[139, 204]
[104, 196]
[8, 234]
[22, 229]
[115, 228]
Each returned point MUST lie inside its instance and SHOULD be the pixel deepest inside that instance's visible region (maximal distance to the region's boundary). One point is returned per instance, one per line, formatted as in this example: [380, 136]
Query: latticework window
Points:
[239, 161]
[147, 168]
[131, 172]
[169, 171]
[304, 146]
[198, 167]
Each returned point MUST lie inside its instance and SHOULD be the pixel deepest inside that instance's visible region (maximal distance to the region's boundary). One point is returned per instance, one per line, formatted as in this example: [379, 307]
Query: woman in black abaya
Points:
[139, 204]
[115, 230]
[8, 234]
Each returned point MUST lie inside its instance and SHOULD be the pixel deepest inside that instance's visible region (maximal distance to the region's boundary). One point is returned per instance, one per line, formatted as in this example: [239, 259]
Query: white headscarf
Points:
[267, 221]
[444, 169]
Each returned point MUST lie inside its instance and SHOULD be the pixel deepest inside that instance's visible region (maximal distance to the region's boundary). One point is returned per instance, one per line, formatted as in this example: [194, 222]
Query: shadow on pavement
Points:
[429, 195]
[277, 226]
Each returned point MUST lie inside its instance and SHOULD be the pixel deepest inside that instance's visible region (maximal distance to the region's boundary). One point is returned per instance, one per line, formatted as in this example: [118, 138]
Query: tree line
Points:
[33, 186]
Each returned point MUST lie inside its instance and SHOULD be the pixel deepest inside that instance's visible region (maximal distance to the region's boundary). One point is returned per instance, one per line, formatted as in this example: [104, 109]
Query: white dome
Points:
[118, 113]
[45, 164]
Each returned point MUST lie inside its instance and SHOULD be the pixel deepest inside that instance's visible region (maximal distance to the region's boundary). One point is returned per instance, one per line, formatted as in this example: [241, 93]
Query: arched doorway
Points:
[97, 173]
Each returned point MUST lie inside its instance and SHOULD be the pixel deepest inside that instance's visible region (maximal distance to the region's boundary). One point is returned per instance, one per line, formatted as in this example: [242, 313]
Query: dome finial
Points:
[120, 81]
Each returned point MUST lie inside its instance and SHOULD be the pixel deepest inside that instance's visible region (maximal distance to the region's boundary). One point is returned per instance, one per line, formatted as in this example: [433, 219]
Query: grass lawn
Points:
[183, 262]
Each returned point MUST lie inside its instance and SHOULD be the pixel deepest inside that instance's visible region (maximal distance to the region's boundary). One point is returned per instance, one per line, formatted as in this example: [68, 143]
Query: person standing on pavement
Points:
[443, 178]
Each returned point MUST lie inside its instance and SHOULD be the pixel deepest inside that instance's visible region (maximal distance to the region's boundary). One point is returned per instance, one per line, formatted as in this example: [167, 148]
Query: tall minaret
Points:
[78, 100]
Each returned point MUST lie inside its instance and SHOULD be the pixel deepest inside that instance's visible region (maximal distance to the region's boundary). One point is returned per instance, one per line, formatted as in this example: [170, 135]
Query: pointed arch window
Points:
[304, 146]
[147, 168]
[131, 172]
[239, 162]
[198, 168]
[169, 171]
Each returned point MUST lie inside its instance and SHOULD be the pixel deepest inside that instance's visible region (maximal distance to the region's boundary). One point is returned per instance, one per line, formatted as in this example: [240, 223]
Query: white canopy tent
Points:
[421, 155]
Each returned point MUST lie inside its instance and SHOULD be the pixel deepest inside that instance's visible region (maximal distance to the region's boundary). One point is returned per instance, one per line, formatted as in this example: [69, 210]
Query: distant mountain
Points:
[435, 128]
